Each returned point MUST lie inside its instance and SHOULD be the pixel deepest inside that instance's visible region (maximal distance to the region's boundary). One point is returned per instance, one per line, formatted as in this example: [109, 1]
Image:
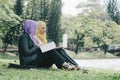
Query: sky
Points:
[69, 6]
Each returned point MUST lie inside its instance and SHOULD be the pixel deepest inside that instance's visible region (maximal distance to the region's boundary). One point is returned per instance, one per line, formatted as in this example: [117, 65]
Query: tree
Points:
[113, 10]
[10, 23]
[88, 28]
[89, 25]
[37, 9]
[18, 7]
[54, 21]
[12, 36]
[44, 9]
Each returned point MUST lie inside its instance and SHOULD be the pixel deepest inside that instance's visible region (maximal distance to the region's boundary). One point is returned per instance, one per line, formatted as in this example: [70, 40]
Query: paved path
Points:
[113, 64]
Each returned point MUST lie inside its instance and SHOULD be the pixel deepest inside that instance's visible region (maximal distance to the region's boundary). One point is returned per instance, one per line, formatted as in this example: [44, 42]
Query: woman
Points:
[41, 34]
[30, 53]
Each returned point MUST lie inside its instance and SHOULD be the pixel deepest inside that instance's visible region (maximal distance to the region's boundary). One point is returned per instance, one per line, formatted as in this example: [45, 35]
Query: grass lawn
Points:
[51, 74]
[91, 55]
[55, 74]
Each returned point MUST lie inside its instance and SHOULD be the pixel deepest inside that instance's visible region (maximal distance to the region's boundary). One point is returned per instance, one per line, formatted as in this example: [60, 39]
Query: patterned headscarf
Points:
[30, 27]
[39, 34]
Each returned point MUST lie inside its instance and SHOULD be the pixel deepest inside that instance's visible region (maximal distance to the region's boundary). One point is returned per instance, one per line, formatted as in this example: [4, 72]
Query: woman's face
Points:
[43, 30]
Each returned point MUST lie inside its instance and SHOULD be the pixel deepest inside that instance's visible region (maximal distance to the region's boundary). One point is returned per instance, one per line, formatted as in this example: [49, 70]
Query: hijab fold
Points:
[30, 27]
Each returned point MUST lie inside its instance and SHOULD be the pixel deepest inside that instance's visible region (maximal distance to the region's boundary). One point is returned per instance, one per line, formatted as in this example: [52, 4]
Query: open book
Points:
[52, 45]
[48, 47]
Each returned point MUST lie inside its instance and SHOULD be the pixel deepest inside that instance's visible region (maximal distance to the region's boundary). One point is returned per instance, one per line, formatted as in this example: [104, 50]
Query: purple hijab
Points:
[30, 27]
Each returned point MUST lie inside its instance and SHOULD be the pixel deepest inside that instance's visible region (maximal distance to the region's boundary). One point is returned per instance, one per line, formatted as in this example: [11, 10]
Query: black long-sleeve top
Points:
[27, 50]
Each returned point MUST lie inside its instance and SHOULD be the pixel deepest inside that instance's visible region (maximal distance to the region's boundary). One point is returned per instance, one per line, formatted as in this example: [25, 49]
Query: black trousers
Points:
[55, 56]
[66, 56]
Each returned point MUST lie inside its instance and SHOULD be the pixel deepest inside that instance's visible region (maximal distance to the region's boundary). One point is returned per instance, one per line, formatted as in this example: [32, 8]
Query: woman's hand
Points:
[59, 46]
[39, 45]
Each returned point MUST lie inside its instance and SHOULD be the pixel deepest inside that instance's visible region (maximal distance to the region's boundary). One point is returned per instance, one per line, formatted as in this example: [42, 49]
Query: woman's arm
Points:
[26, 50]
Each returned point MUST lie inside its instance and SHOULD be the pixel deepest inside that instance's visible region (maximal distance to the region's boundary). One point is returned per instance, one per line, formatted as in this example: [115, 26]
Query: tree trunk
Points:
[5, 48]
[76, 49]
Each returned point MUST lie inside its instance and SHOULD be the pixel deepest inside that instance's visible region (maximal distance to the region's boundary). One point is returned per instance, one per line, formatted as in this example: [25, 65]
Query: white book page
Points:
[64, 43]
[48, 47]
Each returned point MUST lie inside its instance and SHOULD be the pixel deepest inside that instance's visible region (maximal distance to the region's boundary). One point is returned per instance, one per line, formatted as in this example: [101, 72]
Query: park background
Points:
[93, 29]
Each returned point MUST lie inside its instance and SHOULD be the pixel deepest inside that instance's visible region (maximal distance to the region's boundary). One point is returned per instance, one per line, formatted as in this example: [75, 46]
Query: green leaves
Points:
[113, 10]
[95, 25]
[54, 21]
[10, 24]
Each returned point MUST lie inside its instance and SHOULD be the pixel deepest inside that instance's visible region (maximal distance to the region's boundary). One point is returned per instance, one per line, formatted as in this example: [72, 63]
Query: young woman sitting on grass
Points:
[30, 53]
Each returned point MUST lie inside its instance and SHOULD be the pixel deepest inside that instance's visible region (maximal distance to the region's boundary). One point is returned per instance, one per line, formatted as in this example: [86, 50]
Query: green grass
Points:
[55, 74]
[52, 74]
[8, 57]
[90, 55]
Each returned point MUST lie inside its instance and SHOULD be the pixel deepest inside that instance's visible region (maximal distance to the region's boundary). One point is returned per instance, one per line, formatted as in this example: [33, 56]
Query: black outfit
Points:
[65, 55]
[30, 54]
